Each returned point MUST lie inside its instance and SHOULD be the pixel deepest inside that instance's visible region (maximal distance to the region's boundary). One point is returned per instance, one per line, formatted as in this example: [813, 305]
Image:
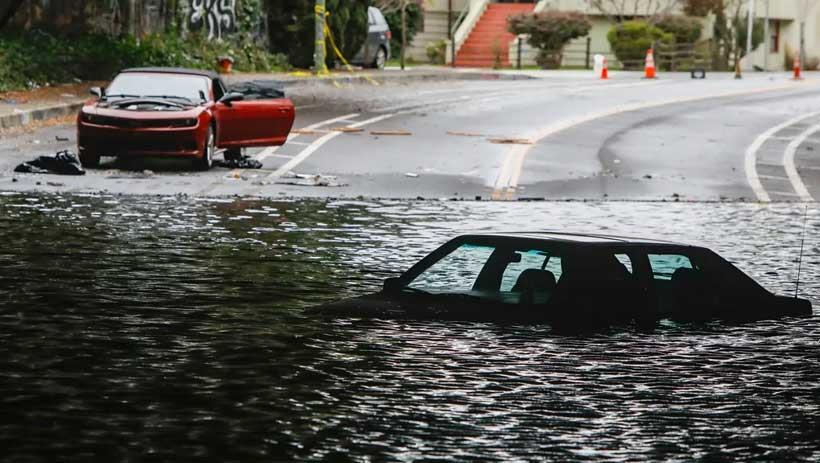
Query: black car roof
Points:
[194, 72]
[577, 238]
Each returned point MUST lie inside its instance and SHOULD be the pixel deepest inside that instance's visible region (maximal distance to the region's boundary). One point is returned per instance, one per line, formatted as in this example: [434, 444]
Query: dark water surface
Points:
[172, 327]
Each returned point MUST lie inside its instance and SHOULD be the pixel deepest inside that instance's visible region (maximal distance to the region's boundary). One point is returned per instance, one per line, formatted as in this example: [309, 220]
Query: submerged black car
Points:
[570, 279]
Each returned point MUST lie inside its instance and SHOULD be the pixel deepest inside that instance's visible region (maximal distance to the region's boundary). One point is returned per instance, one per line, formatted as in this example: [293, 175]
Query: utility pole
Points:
[319, 46]
[749, 27]
[767, 47]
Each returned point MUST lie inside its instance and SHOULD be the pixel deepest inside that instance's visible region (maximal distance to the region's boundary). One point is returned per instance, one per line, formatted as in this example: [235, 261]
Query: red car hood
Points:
[185, 113]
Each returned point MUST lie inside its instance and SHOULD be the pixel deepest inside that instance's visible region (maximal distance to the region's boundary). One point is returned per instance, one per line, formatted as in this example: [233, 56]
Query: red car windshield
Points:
[158, 85]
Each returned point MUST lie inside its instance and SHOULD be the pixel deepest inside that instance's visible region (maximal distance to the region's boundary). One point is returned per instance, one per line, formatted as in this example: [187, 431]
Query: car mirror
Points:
[392, 285]
[96, 91]
[229, 98]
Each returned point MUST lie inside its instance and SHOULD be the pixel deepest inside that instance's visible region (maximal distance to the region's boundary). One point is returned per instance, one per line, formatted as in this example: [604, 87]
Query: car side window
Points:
[626, 262]
[665, 265]
[371, 16]
[455, 272]
[378, 18]
[533, 259]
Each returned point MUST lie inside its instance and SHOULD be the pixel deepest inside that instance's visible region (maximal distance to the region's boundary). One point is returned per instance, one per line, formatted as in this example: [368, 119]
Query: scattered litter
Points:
[647, 176]
[312, 180]
[616, 161]
[243, 162]
[36, 142]
[308, 132]
[55, 184]
[59, 138]
[14, 180]
[68, 95]
[390, 132]
[510, 141]
[63, 163]
[411, 175]
[465, 134]
[347, 129]
[18, 111]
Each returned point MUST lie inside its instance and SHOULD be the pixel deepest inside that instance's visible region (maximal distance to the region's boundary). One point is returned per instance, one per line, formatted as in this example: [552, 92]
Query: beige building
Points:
[783, 33]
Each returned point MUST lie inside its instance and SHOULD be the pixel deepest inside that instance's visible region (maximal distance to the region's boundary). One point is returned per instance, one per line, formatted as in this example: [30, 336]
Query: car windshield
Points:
[133, 85]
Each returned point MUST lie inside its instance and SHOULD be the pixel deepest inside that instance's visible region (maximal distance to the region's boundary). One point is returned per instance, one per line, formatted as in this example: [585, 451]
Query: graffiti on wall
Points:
[216, 16]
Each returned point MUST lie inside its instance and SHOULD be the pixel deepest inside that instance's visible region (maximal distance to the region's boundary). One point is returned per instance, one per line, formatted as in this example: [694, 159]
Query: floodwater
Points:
[172, 328]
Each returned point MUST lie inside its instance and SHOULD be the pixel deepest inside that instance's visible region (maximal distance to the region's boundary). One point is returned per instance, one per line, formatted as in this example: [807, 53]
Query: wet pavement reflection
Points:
[172, 327]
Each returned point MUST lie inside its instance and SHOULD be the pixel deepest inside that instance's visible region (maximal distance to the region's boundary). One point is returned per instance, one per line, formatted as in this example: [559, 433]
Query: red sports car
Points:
[188, 113]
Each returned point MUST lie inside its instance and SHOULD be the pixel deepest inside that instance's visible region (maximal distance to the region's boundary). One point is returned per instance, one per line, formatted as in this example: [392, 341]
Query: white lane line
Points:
[509, 175]
[305, 153]
[269, 151]
[750, 160]
[791, 169]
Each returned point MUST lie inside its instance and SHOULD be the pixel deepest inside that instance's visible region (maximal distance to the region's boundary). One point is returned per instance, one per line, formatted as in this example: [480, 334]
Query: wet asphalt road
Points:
[575, 138]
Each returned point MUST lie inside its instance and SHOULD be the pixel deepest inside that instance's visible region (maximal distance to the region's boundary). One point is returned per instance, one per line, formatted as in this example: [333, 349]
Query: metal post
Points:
[403, 31]
[802, 43]
[749, 26]
[519, 52]
[589, 51]
[319, 46]
[767, 45]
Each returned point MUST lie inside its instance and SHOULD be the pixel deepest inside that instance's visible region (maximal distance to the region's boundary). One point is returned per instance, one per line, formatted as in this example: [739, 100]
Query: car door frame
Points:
[252, 123]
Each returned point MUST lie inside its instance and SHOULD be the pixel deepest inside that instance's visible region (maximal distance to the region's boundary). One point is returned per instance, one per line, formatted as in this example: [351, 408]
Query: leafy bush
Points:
[631, 39]
[436, 51]
[38, 58]
[685, 29]
[291, 26]
[549, 32]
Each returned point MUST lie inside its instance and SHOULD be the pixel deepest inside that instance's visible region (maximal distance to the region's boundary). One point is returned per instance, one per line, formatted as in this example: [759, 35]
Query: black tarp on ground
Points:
[63, 163]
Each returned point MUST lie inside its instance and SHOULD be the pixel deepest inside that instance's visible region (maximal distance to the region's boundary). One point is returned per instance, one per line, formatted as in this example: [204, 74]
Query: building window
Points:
[774, 37]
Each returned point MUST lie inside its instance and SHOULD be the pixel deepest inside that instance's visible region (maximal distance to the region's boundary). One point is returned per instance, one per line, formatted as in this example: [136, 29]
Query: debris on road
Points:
[465, 134]
[510, 141]
[63, 163]
[347, 129]
[411, 175]
[308, 132]
[59, 138]
[390, 132]
[244, 162]
[311, 180]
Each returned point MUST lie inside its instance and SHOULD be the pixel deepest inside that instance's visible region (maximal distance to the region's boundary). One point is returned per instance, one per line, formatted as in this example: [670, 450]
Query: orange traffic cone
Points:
[605, 70]
[649, 67]
[797, 68]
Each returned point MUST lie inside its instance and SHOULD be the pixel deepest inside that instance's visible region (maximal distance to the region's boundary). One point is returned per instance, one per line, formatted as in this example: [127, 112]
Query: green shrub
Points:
[685, 29]
[549, 32]
[631, 39]
[436, 51]
[291, 26]
[37, 58]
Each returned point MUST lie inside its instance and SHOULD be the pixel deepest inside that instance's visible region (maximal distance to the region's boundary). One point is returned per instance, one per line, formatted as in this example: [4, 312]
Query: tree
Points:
[549, 32]
[391, 7]
[730, 32]
[622, 10]
[7, 12]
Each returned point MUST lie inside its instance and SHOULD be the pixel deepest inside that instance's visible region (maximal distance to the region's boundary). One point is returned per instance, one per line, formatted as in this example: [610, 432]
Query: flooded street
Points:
[174, 327]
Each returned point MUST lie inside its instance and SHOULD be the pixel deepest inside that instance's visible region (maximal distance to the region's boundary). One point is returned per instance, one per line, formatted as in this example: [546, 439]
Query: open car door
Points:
[263, 117]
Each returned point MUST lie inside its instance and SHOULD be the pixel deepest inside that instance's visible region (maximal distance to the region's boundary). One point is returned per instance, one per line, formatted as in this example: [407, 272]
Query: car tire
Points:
[381, 59]
[89, 160]
[206, 158]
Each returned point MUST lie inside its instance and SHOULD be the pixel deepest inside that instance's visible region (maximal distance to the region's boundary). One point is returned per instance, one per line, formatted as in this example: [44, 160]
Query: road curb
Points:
[23, 118]
[389, 77]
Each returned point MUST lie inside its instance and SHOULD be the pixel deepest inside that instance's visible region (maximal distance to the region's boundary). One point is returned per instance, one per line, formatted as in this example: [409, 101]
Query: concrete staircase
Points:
[490, 36]
[435, 29]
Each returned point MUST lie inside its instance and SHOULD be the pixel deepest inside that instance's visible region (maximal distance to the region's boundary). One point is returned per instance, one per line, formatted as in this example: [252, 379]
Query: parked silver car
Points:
[376, 50]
